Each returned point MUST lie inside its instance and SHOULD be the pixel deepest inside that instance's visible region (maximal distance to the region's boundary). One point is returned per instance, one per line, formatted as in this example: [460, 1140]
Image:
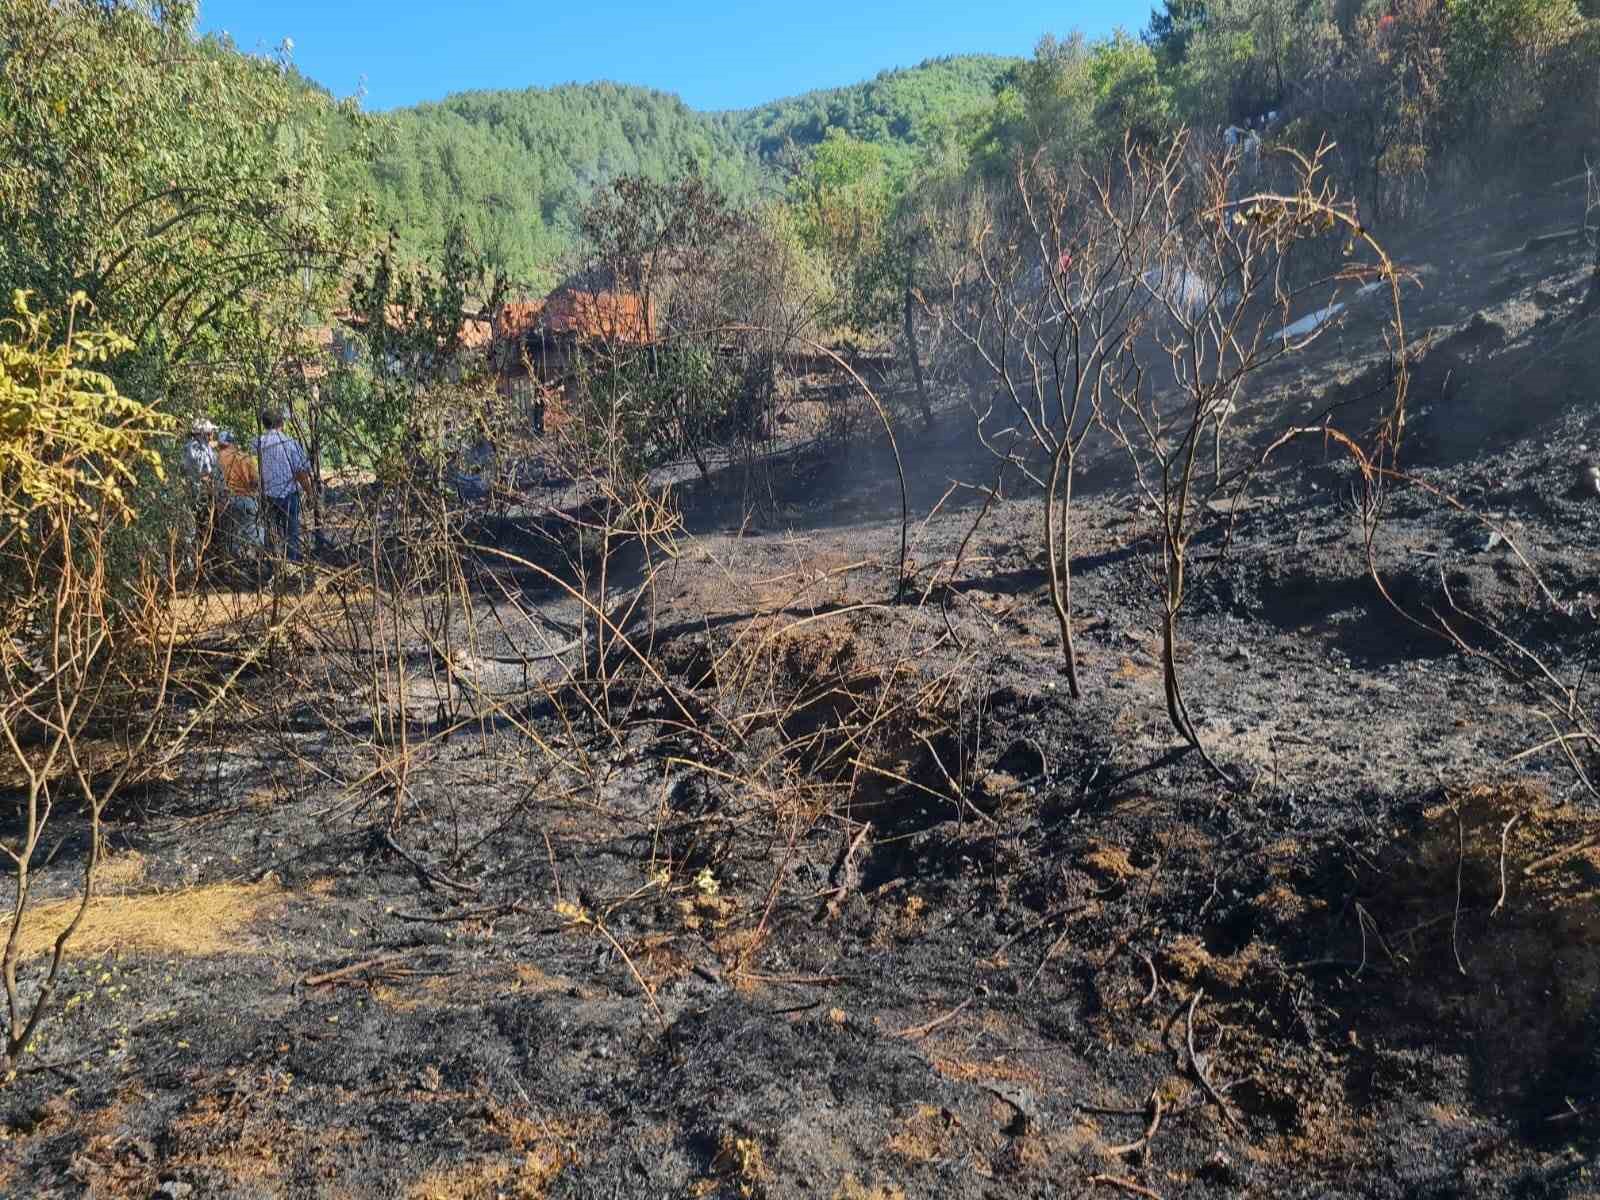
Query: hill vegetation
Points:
[901, 110]
[516, 167]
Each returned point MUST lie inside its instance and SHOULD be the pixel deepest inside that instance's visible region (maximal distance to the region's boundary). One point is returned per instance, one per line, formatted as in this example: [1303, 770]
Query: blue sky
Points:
[713, 53]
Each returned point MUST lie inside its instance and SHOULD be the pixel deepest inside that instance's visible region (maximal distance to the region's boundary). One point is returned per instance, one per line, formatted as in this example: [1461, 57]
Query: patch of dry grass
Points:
[526, 1178]
[739, 1169]
[996, 1070]
[195, 922]
[537, 1151]
[854, 1189]
[208, 612]
[923, 1136]
[451, 991]
[120, 873]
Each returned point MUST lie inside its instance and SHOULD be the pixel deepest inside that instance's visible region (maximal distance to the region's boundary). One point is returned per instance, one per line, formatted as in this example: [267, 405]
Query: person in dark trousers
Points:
[285, 469]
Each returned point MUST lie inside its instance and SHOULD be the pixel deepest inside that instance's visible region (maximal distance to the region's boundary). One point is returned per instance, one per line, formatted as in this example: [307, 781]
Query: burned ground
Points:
[912, 922]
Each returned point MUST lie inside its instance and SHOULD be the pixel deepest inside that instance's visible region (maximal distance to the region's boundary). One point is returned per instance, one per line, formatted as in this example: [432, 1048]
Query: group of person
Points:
[249, 495]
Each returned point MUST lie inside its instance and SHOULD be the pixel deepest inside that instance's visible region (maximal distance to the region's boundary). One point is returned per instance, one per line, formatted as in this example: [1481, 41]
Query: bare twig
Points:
[582, 918]
[1126, 1185]
[1560, 856]
[915, 1032]
[1154, 1110]
[1461, 859]
[1155, 981]
[1197, 1066]
[359, 968]
[1505, 831]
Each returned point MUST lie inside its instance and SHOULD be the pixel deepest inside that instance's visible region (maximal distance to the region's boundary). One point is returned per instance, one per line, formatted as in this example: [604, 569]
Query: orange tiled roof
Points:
[598, 316]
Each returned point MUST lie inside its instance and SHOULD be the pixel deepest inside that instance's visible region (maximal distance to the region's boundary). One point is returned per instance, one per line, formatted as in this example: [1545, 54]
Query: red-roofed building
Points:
[536, 341]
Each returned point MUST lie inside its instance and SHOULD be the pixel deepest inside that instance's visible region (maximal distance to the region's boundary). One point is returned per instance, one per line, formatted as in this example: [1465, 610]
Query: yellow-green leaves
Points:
[68, 438]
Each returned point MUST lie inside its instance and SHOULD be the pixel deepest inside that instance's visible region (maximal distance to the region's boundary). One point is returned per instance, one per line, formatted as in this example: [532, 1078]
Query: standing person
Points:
[242, 517]
[201, 469]
[285, 469]
[199, 459]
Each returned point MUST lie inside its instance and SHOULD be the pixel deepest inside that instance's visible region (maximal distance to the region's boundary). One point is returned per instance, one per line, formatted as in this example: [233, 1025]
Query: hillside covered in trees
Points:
[1417, 94]
[515, 167]
[900, 110]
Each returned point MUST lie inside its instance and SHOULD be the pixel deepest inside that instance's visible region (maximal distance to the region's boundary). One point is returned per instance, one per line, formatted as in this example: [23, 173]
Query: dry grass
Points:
[120, 873]
[923, 1136]
[196, 922]
[996, 1070]
[538, 1151]
[739, 1169]
[526, 1178]
[1108, 864]
[206, 612]
[854, 1189]
[453, 991]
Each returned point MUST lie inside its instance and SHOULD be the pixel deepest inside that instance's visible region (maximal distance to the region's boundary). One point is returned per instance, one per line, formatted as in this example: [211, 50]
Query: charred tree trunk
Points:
[911, 349]
[1591, 302]
[1058, 552]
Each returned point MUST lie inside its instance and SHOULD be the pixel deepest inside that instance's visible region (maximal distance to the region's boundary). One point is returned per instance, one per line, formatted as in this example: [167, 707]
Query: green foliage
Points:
[1248, 56]
[899, 111]
[844, 199]
[181, 186]
[1045, 103]
[640, 409]
[68, 440]
[1130, 95]
[1172, 27]
[637, 229]
[411, 319]
[1402, 87]
[1494, 50]
[515, 169]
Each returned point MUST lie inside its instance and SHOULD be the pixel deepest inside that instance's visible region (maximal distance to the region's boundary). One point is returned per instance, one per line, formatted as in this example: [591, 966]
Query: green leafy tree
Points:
[179, 185]
[1494, 55]
[1130, 96]
[1045, 103]
[411, 319]
[1172, 27]
[901, 111]
[844, 198]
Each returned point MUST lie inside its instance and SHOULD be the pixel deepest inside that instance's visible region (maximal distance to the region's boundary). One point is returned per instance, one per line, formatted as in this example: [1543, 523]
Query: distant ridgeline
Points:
[516, 166]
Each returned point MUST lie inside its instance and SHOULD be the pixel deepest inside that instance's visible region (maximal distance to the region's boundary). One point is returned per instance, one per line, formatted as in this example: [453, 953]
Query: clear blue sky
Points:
[713, 53]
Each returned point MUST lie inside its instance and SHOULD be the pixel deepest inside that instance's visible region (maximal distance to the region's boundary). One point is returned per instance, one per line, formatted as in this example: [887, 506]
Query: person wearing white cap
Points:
[199, 459]
[205, 478]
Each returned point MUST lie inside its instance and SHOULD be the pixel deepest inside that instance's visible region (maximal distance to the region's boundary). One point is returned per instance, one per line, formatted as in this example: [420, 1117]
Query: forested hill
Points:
[898, 109]
[516, 166]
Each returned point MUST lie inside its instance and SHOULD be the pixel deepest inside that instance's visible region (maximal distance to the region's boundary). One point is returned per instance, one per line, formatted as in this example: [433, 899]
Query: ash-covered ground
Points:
[847, 898]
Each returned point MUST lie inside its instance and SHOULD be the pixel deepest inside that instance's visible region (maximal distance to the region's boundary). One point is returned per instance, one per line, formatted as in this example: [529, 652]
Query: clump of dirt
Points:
[1489, 911]
[1109, 864]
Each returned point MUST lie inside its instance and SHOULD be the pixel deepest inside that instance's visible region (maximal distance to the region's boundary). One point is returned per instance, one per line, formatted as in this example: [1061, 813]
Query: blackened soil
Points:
[893, 916]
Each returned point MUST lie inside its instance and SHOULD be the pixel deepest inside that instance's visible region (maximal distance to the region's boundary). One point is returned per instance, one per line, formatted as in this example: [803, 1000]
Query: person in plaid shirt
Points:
[285, 469]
